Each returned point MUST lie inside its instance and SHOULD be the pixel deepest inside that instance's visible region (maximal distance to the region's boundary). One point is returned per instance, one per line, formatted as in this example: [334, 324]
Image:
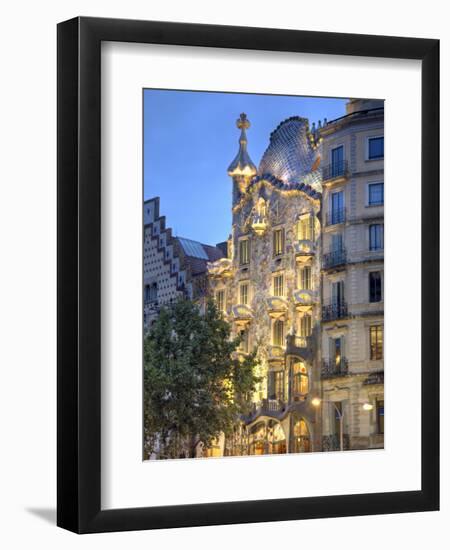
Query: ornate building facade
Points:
[300, 280]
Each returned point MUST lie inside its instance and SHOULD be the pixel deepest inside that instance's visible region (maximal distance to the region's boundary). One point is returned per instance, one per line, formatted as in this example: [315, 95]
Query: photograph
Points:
[263, 271]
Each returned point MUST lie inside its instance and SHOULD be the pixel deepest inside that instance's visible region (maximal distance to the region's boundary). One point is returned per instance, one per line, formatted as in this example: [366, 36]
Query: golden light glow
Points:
[316, 402]
[367, 406]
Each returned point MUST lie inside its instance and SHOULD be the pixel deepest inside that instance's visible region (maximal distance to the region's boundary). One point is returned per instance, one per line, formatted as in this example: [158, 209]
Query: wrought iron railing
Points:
[301, 342]
[333, 443]
[334, 258]
[334, 311]
[334, 367]
[334, 170]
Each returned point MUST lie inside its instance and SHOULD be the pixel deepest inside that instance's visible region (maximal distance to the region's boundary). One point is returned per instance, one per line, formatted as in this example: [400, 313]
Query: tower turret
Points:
[242, 168]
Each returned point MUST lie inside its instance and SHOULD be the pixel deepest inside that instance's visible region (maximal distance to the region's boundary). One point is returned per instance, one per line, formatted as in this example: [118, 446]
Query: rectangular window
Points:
[243, 346]
[336, 243]
[337, 214]
[305, 325]
[337, 409]
[151, 293]
[376, 194]
[375, 286]
[278, 285]
[278, 242]
[220, 300]
[337, 293]
[305, 228]
[376, 148]
[337, 351]
[244, 252]
[276, 385]
[278, 333]
[380, 416]
[337, 161]
[376, 343]
[376, 237]
[305, 278]
[243, 291]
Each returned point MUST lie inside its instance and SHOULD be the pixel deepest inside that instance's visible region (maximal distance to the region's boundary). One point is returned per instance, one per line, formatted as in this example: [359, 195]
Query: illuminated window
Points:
[278, 285]
[305, 228]
[276, 385]
[305, 325]
[220, 300]
[278, 242]
[243, 294]
[376, 237]
[376, 194]
[380, 416]
[376, 148]
[300, 382]
[244, 252]
[376, 343]
[305, 278]
[278, 333]
[375, 286]
[302, 442]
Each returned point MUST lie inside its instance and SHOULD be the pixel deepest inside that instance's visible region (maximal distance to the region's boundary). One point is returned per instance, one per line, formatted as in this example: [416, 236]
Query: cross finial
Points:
[242, 122]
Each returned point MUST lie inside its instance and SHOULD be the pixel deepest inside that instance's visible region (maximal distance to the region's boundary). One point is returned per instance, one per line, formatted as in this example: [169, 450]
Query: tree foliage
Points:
[194, 385]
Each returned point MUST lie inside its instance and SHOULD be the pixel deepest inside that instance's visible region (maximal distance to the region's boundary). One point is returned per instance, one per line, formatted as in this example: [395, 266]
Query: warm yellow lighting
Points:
[367, 406]
[316, 402]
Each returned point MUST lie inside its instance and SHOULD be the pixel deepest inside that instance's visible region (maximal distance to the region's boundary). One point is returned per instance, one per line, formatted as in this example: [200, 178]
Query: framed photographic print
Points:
[248, 308]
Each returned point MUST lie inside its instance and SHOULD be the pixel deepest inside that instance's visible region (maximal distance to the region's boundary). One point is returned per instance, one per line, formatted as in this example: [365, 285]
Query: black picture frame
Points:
[79, 281]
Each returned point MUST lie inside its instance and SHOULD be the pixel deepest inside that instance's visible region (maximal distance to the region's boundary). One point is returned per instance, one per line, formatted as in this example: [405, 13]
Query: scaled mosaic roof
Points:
[290, 155]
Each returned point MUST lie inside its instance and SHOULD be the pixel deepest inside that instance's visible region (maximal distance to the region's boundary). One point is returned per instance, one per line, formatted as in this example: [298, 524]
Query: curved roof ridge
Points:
[292, 186]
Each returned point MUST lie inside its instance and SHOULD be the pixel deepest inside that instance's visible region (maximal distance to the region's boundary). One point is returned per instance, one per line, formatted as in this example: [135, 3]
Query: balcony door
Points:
[337, 207]
[337, 294]
[337, 161]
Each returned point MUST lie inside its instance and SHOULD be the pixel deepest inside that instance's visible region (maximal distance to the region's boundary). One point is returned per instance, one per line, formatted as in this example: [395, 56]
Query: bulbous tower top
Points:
[242, 164]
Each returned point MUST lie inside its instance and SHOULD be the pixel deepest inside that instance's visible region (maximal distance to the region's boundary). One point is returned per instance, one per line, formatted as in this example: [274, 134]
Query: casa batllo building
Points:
[302, 283]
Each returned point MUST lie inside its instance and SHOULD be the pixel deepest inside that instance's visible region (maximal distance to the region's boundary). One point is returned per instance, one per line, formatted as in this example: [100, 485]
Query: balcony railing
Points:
[335, 170]
[266, 407]
[334, 311]
[334, 258]
[332, 443]
[295, 344]
[337, 215]
[333, 368]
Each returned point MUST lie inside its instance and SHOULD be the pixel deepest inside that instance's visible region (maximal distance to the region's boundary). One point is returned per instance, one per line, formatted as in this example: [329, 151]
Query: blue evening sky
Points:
[190, 138]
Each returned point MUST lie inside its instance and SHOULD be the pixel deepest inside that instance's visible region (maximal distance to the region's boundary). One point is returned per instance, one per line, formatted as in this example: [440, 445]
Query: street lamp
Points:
[316, 401]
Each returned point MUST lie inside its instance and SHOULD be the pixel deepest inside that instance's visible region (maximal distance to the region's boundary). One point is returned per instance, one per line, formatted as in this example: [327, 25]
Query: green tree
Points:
[194, 386]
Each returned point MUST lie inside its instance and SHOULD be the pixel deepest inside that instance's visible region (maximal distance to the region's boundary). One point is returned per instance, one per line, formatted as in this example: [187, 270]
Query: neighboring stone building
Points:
[300, 279]
[353, 274]
[173, 266]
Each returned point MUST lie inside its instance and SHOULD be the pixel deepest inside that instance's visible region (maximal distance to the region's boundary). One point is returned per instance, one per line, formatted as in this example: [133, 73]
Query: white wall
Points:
[28, 274]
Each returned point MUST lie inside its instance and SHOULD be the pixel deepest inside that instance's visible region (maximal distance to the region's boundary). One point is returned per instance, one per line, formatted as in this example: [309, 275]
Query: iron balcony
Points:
[335, 170]
[332, 368]
[334, 259]
[297, 344]
[332, 312]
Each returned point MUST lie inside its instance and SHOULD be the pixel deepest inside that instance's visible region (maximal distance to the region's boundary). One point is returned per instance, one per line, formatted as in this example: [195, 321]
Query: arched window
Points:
[257, 439]
[300, 380]
[276, 438]
[301, 437]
